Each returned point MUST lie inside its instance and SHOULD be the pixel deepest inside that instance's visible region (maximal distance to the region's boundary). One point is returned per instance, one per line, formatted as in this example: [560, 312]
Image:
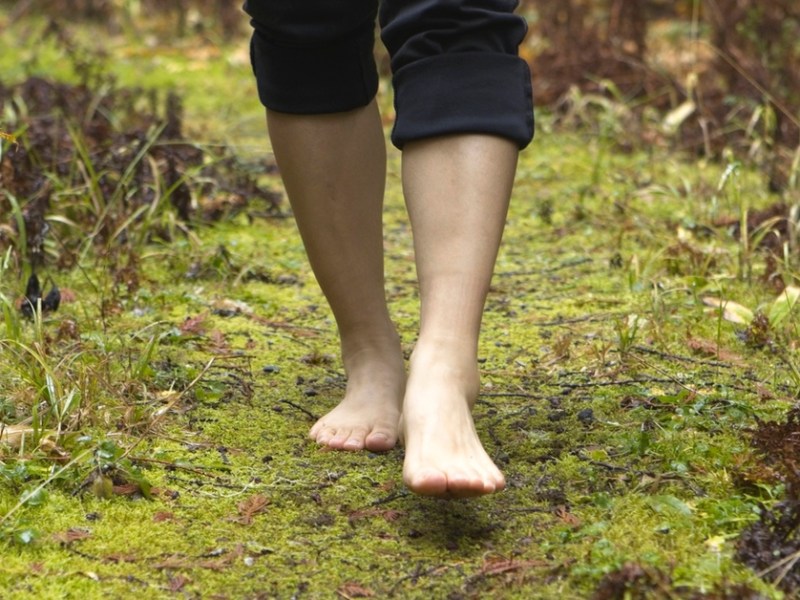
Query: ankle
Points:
[434, 363]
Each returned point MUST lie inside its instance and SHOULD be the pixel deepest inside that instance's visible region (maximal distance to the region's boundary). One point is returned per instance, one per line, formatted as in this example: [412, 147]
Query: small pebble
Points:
[586, 416]
[271, 369]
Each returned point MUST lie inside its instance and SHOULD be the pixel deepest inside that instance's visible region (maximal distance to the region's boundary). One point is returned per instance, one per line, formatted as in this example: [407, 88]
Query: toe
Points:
[380, 440]
[355, 441]
[427, 482]
[322, 435]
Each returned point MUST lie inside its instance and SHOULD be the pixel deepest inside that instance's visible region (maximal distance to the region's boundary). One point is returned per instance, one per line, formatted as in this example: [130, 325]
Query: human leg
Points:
[331, 153]
[333, 168]
[457, 189]
[464, 109]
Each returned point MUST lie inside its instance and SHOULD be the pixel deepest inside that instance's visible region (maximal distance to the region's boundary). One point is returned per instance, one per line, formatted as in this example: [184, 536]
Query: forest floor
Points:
[629, 412]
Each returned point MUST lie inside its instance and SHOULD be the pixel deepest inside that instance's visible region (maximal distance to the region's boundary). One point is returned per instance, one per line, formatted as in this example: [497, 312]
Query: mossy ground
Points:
[620, 442]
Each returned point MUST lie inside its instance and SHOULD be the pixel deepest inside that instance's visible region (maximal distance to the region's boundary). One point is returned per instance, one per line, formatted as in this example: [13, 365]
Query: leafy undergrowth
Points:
[640, 364]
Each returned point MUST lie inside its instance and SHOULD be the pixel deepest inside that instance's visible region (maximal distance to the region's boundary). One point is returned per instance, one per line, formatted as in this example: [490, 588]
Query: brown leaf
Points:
[194, 325]
[354, 590]
[117, 558]
[567, 517]
[218, 342]
[177, 583]
[388, 514]
[251, 507]
[126, 489]
[72, 535]
[162, 516]
[68, 295]
[498, 566]
[709, 348]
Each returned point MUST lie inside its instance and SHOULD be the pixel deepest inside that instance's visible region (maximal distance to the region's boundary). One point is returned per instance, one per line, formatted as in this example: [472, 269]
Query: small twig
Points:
[171, 465]
[605, 465]
[689, 359]
[512, 395]
[302, 409]
[565, 265]
[785, 564]
[591, 384]
[586, 319]
[389, 498]
[664, 372]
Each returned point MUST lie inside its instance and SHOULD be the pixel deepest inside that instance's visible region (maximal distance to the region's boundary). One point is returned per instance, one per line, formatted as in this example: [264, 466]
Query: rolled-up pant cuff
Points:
[465, 92]
[335, 76]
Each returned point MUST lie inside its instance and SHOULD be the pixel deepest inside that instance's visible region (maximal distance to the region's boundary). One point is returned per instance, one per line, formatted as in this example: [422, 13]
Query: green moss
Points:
[615, 449]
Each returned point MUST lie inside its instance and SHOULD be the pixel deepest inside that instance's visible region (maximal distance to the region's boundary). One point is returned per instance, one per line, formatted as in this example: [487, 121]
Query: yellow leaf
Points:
[731, 311]
[14, 435]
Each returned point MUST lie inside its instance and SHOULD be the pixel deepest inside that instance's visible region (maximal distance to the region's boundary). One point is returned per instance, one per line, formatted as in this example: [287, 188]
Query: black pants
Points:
[454, 62]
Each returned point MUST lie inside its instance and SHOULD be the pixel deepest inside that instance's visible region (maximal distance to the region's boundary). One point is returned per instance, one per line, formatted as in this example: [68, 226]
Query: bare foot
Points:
[444, 456]
[368, 415]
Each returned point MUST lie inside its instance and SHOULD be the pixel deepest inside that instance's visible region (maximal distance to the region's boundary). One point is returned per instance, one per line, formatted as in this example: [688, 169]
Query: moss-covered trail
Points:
[617, 438]
[615, 399]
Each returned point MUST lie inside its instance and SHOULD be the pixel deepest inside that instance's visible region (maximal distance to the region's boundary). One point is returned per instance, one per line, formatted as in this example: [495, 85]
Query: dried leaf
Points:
[388, 514]
[126, 489]
[251, 507]
[117, 558]
[354, 590]
[567, 517]
[731, 311]
[678, 115]
[194, 325]
[177, 583]
[709, 348]
[162, 516]
[72, 535]
[14, 435]
[218, 342]
[498, 566]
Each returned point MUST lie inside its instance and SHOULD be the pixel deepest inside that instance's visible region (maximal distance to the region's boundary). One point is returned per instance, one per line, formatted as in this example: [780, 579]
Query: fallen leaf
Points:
[162, 516]
[117, 558]
[498, 566]
[126, 489]
[72, 535]
[677, 116]
[230, 308]
[567, 517]
[177, 583]
[388, 514]
[731, 311]
[251, 507]
[218, 342]
[194, 325]
[709, 348]
[354, 590]
[14, 435]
